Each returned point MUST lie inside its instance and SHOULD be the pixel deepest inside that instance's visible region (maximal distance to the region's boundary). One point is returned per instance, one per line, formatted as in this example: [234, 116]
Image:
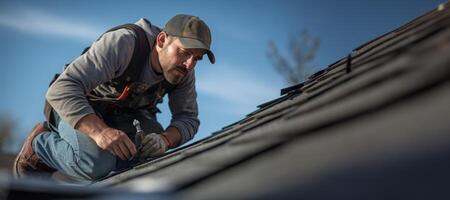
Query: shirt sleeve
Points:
[107, 58]
[183, 106]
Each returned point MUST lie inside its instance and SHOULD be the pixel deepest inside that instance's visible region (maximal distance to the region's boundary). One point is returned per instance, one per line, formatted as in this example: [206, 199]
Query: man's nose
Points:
[190, 63]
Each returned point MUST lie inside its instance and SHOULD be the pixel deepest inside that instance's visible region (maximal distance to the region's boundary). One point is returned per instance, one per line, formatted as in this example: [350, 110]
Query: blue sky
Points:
[38, 37]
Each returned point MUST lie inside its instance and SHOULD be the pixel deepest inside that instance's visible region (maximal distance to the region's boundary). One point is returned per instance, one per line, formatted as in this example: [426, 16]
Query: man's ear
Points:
[161, 38]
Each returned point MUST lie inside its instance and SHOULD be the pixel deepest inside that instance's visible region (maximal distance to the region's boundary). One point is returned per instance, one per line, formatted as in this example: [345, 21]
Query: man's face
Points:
[177, 61]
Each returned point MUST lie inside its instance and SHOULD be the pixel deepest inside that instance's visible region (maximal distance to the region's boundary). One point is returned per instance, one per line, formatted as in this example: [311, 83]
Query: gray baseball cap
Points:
[192, 33]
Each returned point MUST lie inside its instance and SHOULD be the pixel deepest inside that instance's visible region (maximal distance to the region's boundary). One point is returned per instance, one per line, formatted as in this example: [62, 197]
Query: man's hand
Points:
[113, 140]
[153, 145]
[117, 142]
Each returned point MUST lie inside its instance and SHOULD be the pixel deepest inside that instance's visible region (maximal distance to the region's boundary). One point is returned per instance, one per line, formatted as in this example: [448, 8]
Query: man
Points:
[94, 130]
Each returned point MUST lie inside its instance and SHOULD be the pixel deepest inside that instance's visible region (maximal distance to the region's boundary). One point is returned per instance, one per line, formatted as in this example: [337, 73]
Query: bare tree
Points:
[302, 49]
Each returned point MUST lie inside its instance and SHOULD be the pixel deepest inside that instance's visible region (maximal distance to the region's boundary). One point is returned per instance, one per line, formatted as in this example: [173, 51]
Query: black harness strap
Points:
[140, 55]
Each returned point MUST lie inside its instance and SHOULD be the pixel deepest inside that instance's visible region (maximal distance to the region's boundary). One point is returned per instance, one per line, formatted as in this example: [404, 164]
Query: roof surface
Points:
[373, 125]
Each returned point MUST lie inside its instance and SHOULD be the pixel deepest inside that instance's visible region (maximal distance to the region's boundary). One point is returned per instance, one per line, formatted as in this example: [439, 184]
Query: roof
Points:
[374, 124]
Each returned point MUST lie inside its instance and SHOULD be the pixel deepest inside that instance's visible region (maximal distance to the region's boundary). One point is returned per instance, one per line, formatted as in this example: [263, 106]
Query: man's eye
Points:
[184, 53]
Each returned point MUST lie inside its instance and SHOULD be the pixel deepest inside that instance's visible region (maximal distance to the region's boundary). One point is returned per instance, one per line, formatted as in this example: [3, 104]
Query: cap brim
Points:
[190, 43]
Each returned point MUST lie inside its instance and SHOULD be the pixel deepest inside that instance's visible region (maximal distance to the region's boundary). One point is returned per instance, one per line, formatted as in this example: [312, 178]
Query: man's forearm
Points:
[107, 138]
[173, 137]
[91, 125]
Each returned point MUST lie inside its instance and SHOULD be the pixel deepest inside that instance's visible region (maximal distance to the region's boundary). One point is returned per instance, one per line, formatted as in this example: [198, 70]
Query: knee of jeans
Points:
[94, 169]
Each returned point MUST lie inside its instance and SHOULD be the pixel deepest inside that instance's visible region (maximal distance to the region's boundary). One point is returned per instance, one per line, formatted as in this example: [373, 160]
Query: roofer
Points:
[89, 129]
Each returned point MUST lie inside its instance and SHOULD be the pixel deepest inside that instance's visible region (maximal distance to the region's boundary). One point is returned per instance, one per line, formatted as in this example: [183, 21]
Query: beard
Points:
[175, 75]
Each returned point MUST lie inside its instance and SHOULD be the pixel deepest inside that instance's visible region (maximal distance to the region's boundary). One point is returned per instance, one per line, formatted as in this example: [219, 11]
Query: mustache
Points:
[182, 69]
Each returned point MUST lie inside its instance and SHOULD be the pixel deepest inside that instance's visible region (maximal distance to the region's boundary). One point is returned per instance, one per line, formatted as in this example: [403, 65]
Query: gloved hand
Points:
[153, 145]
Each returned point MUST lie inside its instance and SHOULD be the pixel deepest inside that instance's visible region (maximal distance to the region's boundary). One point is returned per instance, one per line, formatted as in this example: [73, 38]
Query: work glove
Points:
[153, 145]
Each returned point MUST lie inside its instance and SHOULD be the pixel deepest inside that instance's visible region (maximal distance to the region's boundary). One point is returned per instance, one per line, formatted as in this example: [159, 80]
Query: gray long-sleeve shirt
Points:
[107, 59]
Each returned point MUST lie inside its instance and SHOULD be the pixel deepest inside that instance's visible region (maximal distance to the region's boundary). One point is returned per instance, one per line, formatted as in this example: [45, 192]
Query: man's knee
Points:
[96, 168]
[94, 162]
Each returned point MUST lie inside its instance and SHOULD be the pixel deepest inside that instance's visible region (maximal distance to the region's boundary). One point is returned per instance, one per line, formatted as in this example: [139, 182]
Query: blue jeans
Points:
[75, 154]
